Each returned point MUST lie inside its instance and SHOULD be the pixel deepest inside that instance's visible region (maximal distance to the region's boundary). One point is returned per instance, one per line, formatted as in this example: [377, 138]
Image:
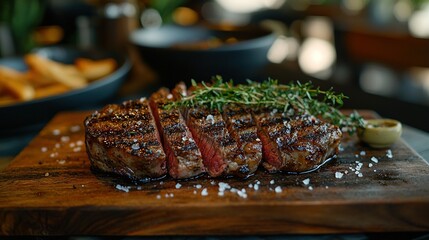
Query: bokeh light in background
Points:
[421, 78]
[185, 16]
[378, 80]
[353, 6]
[402, 10]
[248, 6]
[316, 57]
[419, 22]
[283, 48]
[317, 54]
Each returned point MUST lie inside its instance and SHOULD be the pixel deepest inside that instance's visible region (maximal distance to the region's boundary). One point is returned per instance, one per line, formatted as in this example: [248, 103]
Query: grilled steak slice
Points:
[184, 159]
[123, 139]
[221, 155]
[243, 129]
[220, 152]
[295, 145]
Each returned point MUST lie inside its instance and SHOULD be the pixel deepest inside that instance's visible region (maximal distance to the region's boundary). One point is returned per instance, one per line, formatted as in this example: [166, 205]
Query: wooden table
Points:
[49, 190]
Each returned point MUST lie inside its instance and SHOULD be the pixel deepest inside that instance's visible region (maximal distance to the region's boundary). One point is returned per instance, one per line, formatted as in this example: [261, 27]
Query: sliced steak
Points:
[295, 145]
[183, 156]
[243, 129]
[221, 154]
[123, 139]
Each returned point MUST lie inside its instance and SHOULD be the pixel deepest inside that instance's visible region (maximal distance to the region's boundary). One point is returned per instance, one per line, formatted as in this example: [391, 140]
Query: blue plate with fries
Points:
[38, 85]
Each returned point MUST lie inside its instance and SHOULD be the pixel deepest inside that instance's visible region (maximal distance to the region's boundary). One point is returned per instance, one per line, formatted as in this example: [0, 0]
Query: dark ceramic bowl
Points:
[240, 60]
[23, 116]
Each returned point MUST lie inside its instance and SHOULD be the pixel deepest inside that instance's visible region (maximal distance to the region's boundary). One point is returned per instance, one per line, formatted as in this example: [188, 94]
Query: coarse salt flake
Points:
[198, 186]
[306, 181]
[278, 189]
[135, 146]
[338, 175]
[389, 153]
[204, 192]
[210, 118]
[47, 174]
[120, 187]
[360, 175]
[374, 159]
[362, 153]
[272, 182]
[370, 165]
[75, 128]
[56, 132]
[310, 188]
[65, 138]
[178, 185]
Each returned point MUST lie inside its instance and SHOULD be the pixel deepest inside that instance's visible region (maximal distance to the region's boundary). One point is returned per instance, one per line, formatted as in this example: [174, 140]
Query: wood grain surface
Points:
[49, 189]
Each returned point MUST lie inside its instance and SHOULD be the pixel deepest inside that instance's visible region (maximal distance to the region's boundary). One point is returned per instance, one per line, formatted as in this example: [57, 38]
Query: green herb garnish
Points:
[293, 98]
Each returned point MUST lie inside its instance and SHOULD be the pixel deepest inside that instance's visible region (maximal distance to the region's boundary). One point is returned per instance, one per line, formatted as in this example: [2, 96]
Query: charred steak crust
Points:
[243, 129]
[220, 152]
[139, 139]
[295, 144]
[123, 139]
[183, 156]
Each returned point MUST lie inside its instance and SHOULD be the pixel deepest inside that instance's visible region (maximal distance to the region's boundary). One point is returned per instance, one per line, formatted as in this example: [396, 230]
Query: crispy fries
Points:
[15, 83]
[55, 72]
[93, 70]
[47, 78]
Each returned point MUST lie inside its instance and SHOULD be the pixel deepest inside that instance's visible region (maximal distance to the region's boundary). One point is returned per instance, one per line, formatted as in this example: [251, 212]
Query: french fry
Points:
[16, 84]
[47, 78]
[50, 90]
[95, 69]
[57, 72]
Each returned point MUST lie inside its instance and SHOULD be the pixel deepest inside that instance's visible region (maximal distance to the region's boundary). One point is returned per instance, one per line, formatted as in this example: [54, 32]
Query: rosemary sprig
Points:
[294, 98]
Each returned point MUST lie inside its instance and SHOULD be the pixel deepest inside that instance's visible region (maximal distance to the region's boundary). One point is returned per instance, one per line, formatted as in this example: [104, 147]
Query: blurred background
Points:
[376, 52]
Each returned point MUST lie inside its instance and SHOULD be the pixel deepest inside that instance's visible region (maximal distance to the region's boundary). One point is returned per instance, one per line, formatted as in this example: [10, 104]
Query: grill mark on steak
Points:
[243, 129]
[295, 145]
[122, 139]
[220, 152]
[183, 156]
[125, 140]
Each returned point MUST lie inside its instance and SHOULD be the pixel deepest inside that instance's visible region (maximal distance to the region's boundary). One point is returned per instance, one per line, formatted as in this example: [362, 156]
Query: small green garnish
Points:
[293, 98]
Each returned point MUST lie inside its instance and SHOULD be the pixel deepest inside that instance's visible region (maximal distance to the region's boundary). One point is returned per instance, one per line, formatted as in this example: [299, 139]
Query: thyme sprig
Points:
[293, 98]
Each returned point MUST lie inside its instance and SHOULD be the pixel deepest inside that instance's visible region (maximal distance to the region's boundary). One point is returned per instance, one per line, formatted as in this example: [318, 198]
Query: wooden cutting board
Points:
[49, 190]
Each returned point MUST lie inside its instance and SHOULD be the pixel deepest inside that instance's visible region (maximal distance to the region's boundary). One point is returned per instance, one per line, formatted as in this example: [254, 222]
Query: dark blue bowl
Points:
[240, 61]
[23, 116]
